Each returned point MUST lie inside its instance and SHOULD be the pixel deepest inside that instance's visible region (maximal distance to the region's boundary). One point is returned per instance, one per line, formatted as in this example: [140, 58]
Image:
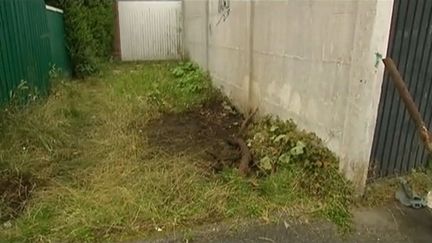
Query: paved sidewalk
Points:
[393, 224]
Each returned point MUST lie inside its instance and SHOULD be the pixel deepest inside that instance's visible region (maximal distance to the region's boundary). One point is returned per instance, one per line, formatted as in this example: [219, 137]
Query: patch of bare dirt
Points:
[15, 190]
[204, 130]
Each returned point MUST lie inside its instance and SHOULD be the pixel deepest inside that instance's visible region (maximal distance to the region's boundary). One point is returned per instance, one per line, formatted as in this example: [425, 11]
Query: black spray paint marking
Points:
[223, 10]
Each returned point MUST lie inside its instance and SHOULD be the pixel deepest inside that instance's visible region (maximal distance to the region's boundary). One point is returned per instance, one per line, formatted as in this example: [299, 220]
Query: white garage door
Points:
[150, 30]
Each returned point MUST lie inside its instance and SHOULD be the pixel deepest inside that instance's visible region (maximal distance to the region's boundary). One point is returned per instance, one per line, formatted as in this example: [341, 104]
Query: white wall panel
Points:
[150, 30]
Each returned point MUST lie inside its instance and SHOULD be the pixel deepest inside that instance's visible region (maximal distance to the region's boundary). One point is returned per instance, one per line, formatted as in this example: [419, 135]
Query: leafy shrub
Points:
[89, 32]
[297, 163]
[185, 86]
[280, 144]
[190, 77]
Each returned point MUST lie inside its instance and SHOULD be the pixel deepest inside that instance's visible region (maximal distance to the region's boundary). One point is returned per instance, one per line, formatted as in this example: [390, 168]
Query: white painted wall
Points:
[312, 61]
[150, 30]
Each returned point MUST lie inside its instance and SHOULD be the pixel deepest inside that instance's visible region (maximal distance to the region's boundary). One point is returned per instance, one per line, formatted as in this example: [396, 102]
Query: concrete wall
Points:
[229, 44]
[311, 61]
[195, 22]
[220, 45]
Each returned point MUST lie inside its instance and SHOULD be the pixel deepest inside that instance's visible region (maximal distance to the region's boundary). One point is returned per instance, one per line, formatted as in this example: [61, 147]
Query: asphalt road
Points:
[391, 224]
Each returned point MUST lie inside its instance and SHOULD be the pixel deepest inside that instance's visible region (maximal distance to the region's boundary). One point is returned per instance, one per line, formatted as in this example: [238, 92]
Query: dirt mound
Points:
[15, 190]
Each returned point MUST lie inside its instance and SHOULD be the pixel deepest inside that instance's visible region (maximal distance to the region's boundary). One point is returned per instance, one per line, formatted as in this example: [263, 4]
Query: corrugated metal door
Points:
[24, 45]
[60, 56]
[150, 30]
[397, 148]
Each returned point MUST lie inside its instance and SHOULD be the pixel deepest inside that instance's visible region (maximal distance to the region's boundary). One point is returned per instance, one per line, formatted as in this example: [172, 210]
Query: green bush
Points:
[297, 164]
[189, 77]
[89, 32]
[278, 144]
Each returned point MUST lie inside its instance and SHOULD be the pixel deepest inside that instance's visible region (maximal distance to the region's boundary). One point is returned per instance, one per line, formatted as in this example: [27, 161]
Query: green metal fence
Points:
[26, 44]
[59, 55]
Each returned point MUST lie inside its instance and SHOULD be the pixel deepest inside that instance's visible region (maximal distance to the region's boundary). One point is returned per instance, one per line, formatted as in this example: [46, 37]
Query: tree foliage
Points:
[89, 28]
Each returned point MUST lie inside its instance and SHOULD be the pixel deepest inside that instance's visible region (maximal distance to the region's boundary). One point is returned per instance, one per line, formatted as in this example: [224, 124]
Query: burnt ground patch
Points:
[202, 130]
[15, 190]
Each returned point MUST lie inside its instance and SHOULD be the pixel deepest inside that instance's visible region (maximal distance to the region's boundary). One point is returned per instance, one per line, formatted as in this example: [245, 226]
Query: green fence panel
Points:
[25, 52]
[60, 55]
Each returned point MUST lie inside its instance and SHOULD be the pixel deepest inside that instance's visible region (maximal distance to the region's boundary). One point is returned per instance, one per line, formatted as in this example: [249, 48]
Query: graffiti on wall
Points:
[223, 10]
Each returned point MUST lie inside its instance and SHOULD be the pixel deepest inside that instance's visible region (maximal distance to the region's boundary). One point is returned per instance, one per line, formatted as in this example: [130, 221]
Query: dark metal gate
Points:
[397, 148]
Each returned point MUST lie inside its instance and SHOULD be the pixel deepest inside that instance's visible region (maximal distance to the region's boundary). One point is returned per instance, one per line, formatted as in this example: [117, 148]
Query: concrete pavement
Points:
[392, 224]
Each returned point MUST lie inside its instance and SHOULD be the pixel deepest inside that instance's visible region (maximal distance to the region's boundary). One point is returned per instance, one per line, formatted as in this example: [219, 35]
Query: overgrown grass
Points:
[98, 178]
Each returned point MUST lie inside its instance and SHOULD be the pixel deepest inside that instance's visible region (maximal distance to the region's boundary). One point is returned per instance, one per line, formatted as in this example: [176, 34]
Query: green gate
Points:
[24, 46]
[60, 58]
[31, 42]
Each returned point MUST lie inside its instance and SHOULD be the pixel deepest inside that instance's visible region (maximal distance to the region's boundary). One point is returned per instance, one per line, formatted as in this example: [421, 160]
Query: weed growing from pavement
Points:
[97, 177]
